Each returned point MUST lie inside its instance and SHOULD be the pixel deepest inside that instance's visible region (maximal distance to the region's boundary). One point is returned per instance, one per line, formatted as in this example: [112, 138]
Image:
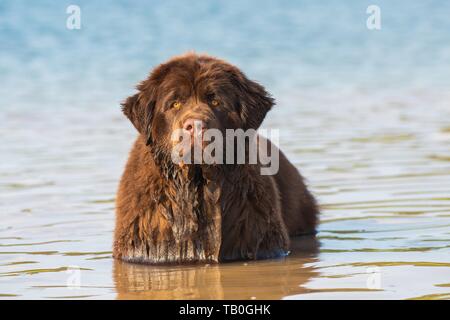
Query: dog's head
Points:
[192, 90]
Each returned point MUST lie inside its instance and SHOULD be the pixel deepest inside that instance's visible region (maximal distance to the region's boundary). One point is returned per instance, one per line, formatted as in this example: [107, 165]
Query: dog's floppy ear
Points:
[139, 110]
[255, 101]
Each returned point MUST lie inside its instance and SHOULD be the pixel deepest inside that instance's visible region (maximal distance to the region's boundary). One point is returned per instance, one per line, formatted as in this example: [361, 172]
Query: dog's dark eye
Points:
[215, 102]
[177, 105]
[212, 100]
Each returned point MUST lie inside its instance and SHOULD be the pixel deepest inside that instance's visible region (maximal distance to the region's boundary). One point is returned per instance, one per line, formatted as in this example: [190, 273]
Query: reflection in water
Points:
[271, 279]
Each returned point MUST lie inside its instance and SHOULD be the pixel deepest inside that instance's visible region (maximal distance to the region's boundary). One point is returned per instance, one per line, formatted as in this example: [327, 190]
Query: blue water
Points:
[284, 44]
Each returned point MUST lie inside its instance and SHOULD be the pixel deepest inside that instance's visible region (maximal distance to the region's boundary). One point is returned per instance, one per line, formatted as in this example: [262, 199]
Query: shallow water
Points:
[364, 116]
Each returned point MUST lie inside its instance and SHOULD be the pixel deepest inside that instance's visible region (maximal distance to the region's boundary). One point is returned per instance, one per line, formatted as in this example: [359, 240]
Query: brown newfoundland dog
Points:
[174, 213]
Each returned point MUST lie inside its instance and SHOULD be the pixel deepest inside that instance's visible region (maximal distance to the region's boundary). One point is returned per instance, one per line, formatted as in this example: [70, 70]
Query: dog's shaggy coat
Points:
[167, 213]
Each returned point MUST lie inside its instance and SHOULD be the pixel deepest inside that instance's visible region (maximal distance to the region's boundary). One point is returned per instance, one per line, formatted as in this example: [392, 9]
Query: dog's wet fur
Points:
[167, 213]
